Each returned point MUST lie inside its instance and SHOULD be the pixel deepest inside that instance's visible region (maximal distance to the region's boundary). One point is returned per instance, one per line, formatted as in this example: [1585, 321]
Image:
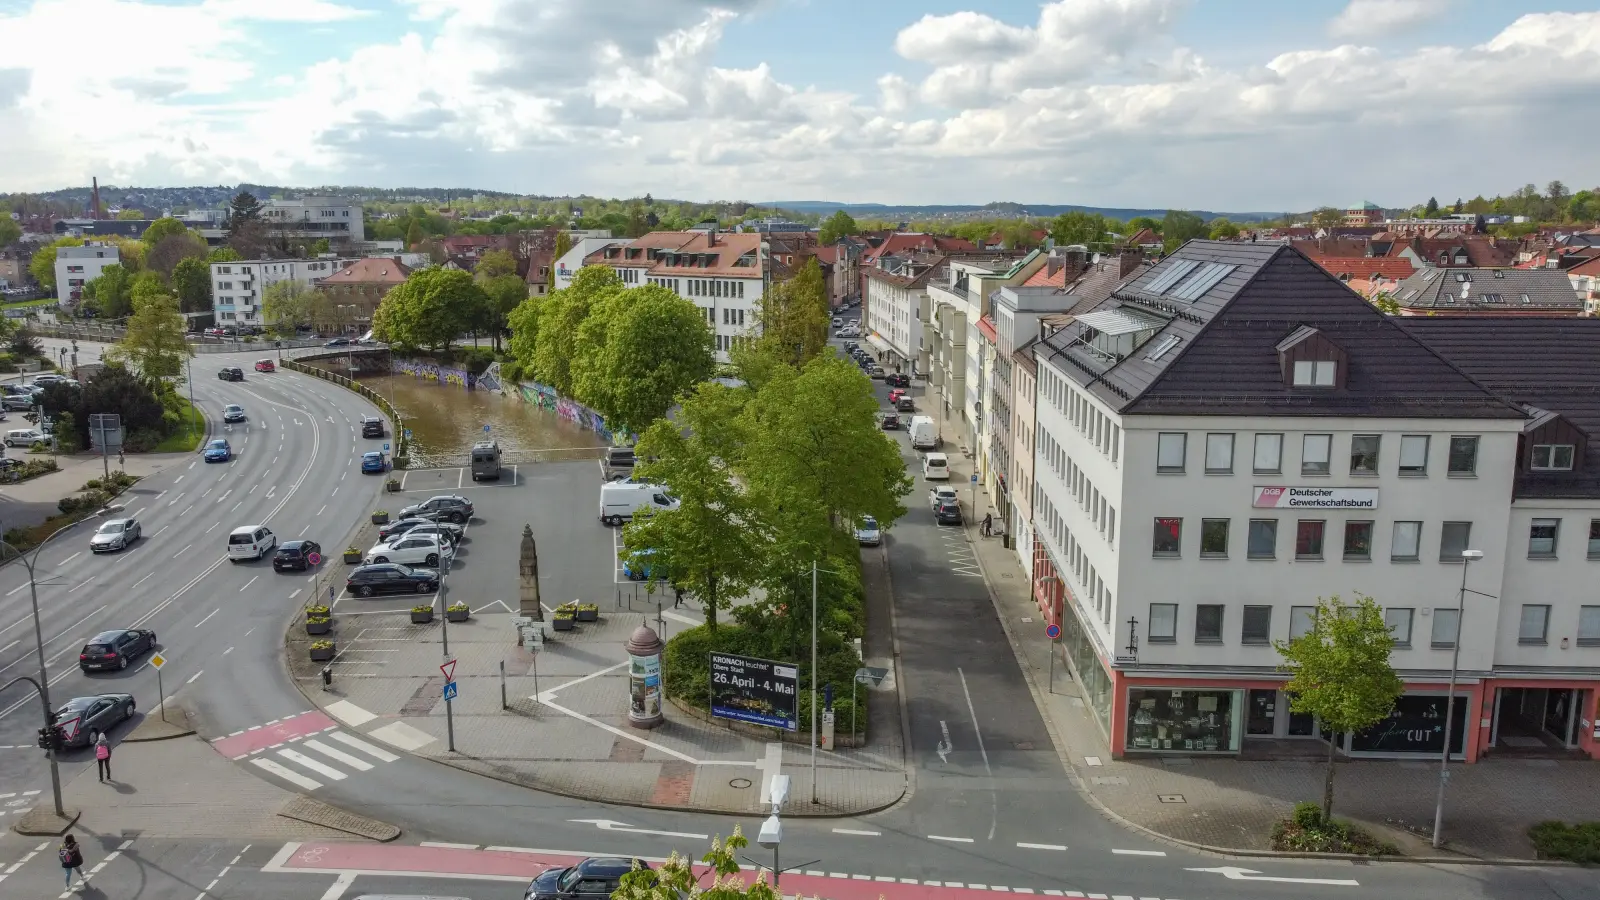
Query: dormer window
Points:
[1308, 359]
[1552, 457]
[1315, 373]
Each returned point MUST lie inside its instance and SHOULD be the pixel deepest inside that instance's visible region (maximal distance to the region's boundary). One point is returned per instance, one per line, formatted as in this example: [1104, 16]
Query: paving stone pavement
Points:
[1233, 803]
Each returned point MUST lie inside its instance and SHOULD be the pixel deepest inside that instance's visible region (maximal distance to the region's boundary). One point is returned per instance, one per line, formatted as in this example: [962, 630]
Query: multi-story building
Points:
[566, 267]
[306, 219]
[1494, 292]
[77, 266]
[896, 310]
[238, 288]
[352, 293]
[1233, 434]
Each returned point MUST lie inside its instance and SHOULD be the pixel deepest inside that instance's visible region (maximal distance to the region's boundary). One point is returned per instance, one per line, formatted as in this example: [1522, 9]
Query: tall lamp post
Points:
[1467, 556]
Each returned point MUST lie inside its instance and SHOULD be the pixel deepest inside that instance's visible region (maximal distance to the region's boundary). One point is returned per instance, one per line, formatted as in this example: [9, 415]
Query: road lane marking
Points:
[141, 581]
[227, 651]
[181, 552]
[339, 886]
[158, 532]
[213, 525]
[1027, 846]
[195, 676]
[1139, 852]
[208, 617]
[955, 840]
[857, 832]
[321, 511]
[70, 558]
[248, 583]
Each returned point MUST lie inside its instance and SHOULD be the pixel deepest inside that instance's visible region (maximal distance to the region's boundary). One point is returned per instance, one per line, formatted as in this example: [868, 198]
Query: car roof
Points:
[372, 453]
[106, 636]
[121, 522]
[606, 865]
[217, 442]
[291, 545]
[244, 529]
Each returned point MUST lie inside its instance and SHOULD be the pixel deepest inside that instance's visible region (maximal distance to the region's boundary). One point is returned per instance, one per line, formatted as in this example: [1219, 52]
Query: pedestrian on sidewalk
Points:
[102, 756]
[677, 597]
[988, 529]
[122, 461]
[71, 857]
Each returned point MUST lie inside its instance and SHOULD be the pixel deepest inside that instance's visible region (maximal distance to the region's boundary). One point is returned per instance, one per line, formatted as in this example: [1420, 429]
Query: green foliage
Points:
[43, 265]
[677, 879]
[1078, 227]
[505, 294]
[1223, 230]
[243, 207]
[637, 351]
[24, 343]
[431, 308]
[1179, 227]
[1138, 222]
[112, 292]
[1431, 211]
[686, 666]
[1574, 843]
[163, 228]
[794, 317]
[563, 245]
[835, 227]
[1307, 815]
[321, 246]
[222, 255]
[561, 313]
[113, 390]
[495, 263]
[130, 215]
[163, 257]
[154, 342]
[287, 304]
[1308, 831]
[1327, 217]
[191, 279]
[10, 231]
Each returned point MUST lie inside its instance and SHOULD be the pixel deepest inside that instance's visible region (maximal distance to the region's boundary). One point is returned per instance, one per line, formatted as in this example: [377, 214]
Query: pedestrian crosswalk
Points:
[302, 761]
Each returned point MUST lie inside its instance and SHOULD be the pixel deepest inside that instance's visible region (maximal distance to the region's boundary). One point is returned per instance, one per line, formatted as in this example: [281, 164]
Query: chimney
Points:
[711, 235]
[94, 195]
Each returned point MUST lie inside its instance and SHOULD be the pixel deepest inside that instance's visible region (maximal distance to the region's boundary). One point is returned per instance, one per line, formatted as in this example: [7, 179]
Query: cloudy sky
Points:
[1215, 104]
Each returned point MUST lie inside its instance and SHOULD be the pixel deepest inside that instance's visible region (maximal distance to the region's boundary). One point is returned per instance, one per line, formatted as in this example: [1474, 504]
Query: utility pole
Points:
[814, 711]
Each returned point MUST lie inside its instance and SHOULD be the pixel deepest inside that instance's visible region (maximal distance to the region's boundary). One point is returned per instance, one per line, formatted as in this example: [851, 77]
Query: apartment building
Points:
[304, 219]
[352, 293]
[77, 266]
[897, 313]
[238, 288]
[1232, 434]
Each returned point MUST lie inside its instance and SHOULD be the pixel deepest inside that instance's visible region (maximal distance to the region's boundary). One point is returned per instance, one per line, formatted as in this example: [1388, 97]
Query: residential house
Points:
[1585, 279]
[77, 266]
[239, 288]
[353, 293]
[896, 312]
[1497, 292]
[1146, 240]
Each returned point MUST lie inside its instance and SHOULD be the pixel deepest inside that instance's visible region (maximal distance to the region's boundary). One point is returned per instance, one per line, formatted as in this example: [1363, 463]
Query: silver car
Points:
[116, 534]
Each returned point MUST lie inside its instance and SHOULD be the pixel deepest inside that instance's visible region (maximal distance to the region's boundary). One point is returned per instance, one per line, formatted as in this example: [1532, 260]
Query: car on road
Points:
[850, 346]
[116, 648]
[250, 542]
[390, 578]
[868, 533]
[875, 371]
[936, 467]
[393, 530]
[114, 534]
[838, 322]
[897, 379]
[947, 514]
[941, 495]
[230, 373]
[640, 565]
[82, 720]
[895, 395]
[233, 412]
[266, 365]
[891, 422]
[338, 342]
[371, 427]
[906, 404]
[372, 463]
[295, 555]
[597, 876]
[408, 549]
[445, 507]
[25, 437]
[218, 450]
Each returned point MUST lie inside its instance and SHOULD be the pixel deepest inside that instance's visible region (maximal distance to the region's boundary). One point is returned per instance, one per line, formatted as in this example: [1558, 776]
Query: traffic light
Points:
[47, 740]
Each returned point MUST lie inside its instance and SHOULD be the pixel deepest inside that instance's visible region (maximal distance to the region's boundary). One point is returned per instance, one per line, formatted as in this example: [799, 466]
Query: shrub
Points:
[511, 372]
[317, 612]
[1575, 843]
[1326, 836]
[1307, 815]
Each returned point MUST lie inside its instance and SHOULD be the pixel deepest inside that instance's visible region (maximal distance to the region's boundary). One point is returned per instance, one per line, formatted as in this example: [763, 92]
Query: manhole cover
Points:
[1171, 798]
[740, 783]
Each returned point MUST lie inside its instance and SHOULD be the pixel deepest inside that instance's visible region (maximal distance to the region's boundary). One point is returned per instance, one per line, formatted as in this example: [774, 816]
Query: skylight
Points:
[1179, 268]
[1167, 343]
[1202, 281]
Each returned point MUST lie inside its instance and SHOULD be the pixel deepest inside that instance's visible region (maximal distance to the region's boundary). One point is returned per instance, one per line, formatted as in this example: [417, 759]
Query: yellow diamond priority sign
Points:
[157, 660]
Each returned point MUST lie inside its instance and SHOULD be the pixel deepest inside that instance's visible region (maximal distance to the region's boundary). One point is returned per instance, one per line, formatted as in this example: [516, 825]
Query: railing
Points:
[401, 443]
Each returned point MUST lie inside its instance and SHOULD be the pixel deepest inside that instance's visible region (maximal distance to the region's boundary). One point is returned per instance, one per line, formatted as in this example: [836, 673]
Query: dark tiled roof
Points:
[1224, 359]
[1096, 284]
[1489, 290]
[1544, 364]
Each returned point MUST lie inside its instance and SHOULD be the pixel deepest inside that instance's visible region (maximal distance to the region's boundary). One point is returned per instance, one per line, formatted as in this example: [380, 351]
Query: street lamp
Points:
[1467, 556]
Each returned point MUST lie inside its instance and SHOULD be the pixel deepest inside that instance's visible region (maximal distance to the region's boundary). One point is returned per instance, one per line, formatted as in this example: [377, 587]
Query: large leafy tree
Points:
[1180, 226]
[1078, 227]
[287, 304]
[43, 265]
[1138, 222]
[836, 226]
[713, 543]
[223, 254]
[191, 279]
[243, 207]
[505, 293]
[112, 292]
[163, 256]
[637, 352]
[1339, 672]
[495, 263]
[794, 316]
[10, 231]
[561, 314]
[163, 228]
[154, 343]
[1326, 217]
[1222, 229]
[431, 308]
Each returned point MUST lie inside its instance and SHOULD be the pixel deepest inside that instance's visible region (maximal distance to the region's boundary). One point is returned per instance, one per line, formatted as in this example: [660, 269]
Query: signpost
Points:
[870, 675]
[450, 691]
[1053, 632]
[156, 662]
[758, 691]
[315, 558]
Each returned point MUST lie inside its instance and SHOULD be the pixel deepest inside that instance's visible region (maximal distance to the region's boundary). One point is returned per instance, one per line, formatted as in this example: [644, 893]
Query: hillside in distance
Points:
[893, 212]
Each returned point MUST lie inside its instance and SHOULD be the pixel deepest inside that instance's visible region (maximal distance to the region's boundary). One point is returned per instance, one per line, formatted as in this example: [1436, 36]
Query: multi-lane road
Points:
[992, 810]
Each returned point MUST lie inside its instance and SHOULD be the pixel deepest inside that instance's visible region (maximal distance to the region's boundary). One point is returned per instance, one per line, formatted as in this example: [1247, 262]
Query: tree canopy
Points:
[637, 351]
[495, 263]
[163, 256]
[561, 313]
[43, 265]
[10, 231]
[1077, 227]
[1223, 230]
[243, 207]
[431, 308]
[287, 304]
[836, 226]
[164, 227]
[794, 316]
[154, 343]
[111, 292]
[1179, 227]
[191, 279]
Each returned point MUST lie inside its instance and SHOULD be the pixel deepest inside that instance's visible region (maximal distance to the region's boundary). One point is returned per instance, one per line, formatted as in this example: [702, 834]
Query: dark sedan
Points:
[597, 876]
[295, 555]
[445, 507]
[947, 514]
[391, 578]
[115, 649]
[82, 720]
[891, 422]
[897, 379]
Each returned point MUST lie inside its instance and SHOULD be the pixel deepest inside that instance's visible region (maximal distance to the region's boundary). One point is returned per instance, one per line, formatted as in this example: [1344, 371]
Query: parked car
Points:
[448, 507]
[895, 395]
[867, 533]
[450, 534]
[409, 549]
[372, 463]
[948, 514]
[941, 495]
[116, 648]
[230, 373]
[617, 463]
[393, 530]
[82, 720]
[114, 534]
[598, 876]
[218, 450]
[266, 365]
[640, 565]
[936, 467]
[891, 422]
[390, 578]
[338, 342]
[295, 555]
[897, 379]
[233, 412]
[25, 437]
[906, 404]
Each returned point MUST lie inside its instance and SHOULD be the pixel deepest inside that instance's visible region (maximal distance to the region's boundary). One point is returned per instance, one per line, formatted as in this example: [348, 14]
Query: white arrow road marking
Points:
[1234, 873]
[943, 749]
[608, 825]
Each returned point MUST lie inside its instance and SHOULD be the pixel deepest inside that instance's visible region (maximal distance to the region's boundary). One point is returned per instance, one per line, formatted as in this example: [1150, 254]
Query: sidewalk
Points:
[1233, 804]
[32, 501]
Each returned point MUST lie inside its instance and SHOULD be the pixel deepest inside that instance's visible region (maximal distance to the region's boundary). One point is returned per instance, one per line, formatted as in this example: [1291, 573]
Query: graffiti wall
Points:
[429, 371]
[546, 398]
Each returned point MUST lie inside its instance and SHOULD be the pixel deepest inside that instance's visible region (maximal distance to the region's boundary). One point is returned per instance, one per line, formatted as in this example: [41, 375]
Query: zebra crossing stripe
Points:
[377, 753]
[360, 765]
[305, 761]
[286, 774]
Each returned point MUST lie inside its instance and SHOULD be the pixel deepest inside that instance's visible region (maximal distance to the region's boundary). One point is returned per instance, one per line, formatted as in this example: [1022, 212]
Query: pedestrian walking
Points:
[988, 529]
[677, 597]
[71, 857]
[122, 461]
[102, 755]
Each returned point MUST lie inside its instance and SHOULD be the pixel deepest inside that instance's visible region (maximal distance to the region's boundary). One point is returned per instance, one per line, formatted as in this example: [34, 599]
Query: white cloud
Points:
[1375, 18]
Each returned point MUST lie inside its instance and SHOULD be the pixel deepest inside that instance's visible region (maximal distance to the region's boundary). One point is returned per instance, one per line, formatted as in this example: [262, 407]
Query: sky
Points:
[1241, 105]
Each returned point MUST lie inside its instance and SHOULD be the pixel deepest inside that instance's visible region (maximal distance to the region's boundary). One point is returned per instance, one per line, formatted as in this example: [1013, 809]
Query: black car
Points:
[371, 427]
[82, 720]
[597, 876]
[948, 514]
[898, 379]
[295, 555]
[230, 373]
[115, 649]
[891, 422]
[445, 508]
[391, 578]
[905, 404]
[338, 342]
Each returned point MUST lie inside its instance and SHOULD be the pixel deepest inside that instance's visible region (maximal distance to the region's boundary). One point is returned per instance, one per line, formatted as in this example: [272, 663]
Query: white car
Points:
[25, 437]
[940, 496]
[936, 467]
[420, 550]
[867, 532]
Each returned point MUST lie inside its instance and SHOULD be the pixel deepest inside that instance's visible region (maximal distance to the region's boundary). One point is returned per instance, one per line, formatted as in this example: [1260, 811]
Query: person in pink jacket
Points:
[102, 755]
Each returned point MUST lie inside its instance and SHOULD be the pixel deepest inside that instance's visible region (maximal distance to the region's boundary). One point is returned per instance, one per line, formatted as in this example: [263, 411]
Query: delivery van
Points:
[486, 461]
[620, 501]
[924, 433]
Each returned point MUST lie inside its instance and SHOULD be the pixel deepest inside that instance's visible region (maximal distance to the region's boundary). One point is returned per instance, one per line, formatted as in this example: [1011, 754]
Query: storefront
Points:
[1183, 720]
[1415, 727]
[1076, 646]
[1541, 717]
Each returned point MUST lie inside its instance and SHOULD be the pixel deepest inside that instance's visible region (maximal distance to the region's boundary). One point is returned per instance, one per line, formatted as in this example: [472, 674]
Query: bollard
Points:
[503, 703]
[327, 678]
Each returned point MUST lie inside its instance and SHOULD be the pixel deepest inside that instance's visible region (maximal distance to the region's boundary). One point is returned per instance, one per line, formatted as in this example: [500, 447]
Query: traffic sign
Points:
[157, 660]
[450, 690]
[408, 434]
[974, 477]
[449, 670]
[386, 448]
[485, 429]
[1052, 631]
[314, 558]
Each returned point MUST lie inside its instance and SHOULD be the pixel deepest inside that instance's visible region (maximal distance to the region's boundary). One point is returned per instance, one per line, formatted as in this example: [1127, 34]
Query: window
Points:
[1594, 538]
[1257, 628]
[1170, 451]
[1213, 538]
[1452, 540]
[1444, 628]
[1399, 621]
[1300, 621]
[1463, 456]
[1314, 373]
[1535, 623]
[1315, 451]
[1308, 539]
[1163, 623]
[1168, 537]
[1364, 454]
[1269, 454]
[1357, 541]
[1552, 457]
[1589, 626]
[1263, 543]
[1414, 454]
[1208, 623]
[1219, 454]
[1542, 538]
[1406, 543]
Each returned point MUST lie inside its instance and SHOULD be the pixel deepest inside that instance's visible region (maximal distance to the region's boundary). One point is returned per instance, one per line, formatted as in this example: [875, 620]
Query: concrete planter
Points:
[319, 626]
[563, 624]
[457, 615]
[421, 618]
[323, 654]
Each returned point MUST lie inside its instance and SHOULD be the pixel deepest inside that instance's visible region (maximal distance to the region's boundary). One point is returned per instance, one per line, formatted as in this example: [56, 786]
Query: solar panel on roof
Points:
[1178, 269]
[1204, 280]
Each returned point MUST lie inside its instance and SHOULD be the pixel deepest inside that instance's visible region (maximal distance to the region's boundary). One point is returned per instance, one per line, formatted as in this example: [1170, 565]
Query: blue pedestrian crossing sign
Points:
[974, 478]
[408, 434]
[449, 690]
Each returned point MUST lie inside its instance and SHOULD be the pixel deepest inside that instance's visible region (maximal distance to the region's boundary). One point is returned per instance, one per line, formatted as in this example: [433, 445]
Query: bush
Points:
[510, 372]
[1307, 815]
[1305, 831]
[1575, 843]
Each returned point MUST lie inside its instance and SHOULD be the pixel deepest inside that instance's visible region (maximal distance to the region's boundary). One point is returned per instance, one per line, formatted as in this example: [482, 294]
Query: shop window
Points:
[1552, 457]
[1269, 454]
[1315, 451]
[1589, 626]
[1219, 454]
[1414, 454]
[1208, 623]
[1398, 618]
[1463, 456]
[1168, 541]
[1406, 543]
[1534, 626]
[1444, 628]
[1364, 453]
[1453, 539]
[1300, 621]
[1257, 628]
[1263, 539]
[1170, 451]
[1164, 623]
[1357, 541]
[1194, 721]
[1542, 535]
[1308, 538]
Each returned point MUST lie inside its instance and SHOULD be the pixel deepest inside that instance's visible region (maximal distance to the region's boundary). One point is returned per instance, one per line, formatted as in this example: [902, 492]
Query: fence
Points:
[401, 442]
[110, 334]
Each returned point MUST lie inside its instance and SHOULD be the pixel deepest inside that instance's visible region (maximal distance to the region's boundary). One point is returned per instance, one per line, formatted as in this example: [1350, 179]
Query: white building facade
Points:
[77, 266]
[239, 287]
[897, 311]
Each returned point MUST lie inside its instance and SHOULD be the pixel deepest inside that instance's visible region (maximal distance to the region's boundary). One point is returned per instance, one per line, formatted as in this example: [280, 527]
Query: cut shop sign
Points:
[1274, 497]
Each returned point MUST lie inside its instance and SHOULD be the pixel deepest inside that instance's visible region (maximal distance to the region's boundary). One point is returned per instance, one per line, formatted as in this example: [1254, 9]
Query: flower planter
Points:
[380, 518]
[352, 559]
[590, 613]
[457, 615]
[563, 624]
[421, 618]
[323, 654]
[319, 626]
[392, 486]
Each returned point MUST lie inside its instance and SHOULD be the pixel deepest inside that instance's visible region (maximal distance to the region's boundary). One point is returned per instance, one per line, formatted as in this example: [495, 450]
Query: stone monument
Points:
[528, 578]
[644, 677]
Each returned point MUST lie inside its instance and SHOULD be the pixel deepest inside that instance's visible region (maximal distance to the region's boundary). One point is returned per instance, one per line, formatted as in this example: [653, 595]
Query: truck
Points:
[924, 433]
[621, 501]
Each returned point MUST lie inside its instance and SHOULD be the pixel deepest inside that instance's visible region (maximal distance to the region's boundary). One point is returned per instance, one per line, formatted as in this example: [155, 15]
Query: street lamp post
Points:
[1467, 556]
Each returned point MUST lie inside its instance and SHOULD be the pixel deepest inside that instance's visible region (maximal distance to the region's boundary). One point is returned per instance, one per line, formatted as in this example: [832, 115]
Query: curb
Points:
[314, 812]
[34, 824]
[900, 692]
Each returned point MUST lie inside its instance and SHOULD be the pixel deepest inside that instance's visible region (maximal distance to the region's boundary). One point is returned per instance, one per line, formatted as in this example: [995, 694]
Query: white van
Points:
[924, 433]
[935, 467]
[619, 501]
[250, 542]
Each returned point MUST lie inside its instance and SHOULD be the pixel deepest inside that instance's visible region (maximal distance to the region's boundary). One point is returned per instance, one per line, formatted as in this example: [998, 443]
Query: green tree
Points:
[222, 255]
[1223, 230]
[836, 226]
[794, 317]
[430, 309]
[154, 343]
[1179, 227]
[1339, 672]
[523, 323]
[163, 257]
[130, 215]
[1556, 192]
[1138, 222]
[1584, 207]
[677, 879]
[243, 207]
[287, 304]
[43, 265]
[1327, 217]
[496, 263]
[561, 314]
[1078, 227]
[163, 228]
[112, 292]
[637, 351]
[505, 293]
[10, 231]
[191, 279]
[414, 234]
[1431, 211]
[713, 543]
[563, 244]
[321, 246]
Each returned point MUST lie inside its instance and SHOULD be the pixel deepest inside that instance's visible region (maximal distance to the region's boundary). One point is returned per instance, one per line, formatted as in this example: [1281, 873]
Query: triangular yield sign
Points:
[449, 670]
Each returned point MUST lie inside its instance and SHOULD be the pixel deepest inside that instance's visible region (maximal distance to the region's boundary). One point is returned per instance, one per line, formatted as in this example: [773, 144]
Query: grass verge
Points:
[1578, 843]
[1306, 831]
[184, 440]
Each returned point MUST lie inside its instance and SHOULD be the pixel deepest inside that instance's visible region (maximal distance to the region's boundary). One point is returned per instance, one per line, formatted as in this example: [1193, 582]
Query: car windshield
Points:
[868, 523]
[569, 878]
[373, 455]
[218, 445]
[110, 528]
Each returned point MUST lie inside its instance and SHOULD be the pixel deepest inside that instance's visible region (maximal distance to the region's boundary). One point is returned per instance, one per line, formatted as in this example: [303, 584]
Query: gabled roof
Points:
[1222, 309]
[1144, 237]
[1505, 291]
[372, 270]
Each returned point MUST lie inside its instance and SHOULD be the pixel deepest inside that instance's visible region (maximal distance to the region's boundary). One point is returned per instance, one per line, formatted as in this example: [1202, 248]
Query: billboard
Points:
[757, 691]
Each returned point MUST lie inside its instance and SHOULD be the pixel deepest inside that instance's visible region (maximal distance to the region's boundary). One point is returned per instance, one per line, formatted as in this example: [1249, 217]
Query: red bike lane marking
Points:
[304, 724]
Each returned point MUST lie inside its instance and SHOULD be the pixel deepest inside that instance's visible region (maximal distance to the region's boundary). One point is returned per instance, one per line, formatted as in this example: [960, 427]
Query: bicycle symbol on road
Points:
[313, 856]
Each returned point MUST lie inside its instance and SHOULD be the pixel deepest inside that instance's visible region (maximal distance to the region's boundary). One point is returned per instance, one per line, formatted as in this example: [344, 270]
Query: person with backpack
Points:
[102, 755]
[71, 856]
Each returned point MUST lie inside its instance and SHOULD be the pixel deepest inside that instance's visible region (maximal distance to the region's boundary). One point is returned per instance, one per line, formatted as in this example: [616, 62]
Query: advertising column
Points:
[644, 678]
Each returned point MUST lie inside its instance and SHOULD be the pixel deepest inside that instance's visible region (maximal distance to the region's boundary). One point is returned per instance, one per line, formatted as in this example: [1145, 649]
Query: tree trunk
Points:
[711, 604]
[1327, 783]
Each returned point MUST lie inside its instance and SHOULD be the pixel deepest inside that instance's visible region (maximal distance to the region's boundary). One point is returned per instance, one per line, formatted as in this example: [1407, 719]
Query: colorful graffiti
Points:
[434, 372]
[546, 398]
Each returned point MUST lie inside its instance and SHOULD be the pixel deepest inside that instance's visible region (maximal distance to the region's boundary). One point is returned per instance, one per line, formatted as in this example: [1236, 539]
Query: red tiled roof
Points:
[1144, 237]
[1592, 267]
[1046, 278]
[902, 242]
[373, 270]
[1364, 267]
[986, 328]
